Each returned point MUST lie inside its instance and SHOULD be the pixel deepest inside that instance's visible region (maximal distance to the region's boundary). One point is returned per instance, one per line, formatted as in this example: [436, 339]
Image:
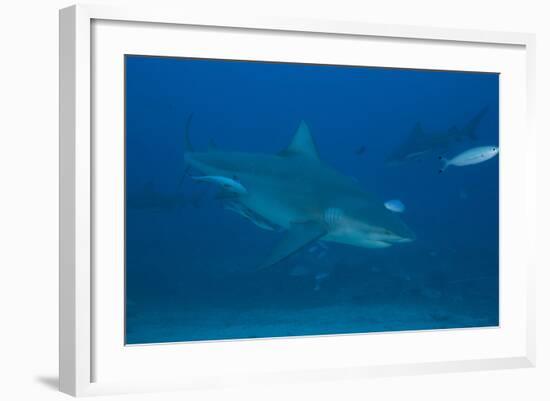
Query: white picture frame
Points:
[79, 158]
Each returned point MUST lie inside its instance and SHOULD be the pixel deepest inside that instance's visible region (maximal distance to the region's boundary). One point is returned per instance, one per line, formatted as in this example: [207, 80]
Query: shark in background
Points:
[295, 191]
[420, 144]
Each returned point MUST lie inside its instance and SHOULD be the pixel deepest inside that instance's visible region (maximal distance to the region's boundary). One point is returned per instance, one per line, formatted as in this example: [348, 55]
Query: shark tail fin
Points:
[445, 164]
[187, 142]
[471, 128]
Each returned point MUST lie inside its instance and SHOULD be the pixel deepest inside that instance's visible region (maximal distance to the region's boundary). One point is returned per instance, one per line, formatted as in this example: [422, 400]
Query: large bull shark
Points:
[420, 143]
[295, 191]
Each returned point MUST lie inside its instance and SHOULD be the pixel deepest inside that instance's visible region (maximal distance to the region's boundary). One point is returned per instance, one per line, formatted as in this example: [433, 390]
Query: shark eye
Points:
[494, 149]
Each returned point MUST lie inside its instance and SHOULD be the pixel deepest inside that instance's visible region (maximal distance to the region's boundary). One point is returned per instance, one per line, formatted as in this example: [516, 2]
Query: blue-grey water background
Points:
[191, 264]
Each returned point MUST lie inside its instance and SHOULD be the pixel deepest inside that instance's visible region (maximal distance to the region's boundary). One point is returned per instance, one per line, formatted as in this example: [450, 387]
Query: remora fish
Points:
[226, 182]
[295, 190]
[420, 143]
[470, 156]
[248, 214]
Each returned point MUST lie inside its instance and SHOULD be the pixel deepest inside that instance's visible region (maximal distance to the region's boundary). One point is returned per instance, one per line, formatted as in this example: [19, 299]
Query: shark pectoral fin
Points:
[297, 237]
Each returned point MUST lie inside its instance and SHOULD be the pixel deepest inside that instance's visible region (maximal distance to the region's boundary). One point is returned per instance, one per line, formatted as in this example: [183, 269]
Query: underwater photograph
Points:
[275, 199]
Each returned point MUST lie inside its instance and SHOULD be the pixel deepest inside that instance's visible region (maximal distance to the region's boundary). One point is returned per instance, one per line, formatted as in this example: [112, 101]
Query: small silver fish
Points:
[395, 205]
[469, 157]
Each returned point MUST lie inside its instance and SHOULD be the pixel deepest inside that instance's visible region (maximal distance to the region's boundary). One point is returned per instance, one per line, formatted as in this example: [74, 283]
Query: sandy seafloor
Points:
[375, 296]
[223, 323]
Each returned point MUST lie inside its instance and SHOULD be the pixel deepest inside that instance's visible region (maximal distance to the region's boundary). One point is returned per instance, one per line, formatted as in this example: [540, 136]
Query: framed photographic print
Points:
[272, 200]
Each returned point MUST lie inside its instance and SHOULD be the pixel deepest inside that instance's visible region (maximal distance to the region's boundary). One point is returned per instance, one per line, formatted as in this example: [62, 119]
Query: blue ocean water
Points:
[191, 264]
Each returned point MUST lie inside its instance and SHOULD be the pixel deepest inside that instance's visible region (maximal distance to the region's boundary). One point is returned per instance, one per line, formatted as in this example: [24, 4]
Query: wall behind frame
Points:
[29, 188]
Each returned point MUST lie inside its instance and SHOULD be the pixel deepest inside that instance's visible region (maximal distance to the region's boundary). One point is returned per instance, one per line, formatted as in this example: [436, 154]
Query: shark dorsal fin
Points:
[302, 144]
